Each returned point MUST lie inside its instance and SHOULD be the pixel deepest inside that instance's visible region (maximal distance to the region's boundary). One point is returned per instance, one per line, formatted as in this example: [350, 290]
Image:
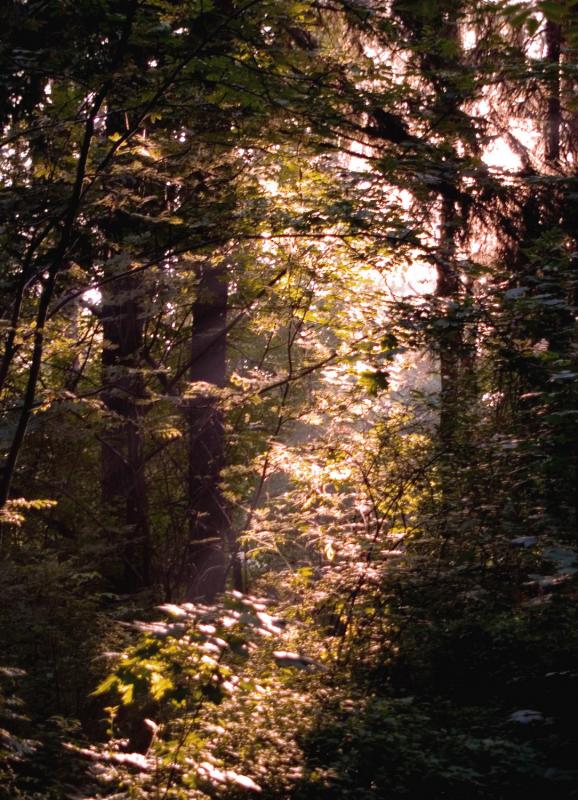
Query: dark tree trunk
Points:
[123, 483]
[123, 480]
[562, 337]
[208, 519]
[450, 336]
[553, 114]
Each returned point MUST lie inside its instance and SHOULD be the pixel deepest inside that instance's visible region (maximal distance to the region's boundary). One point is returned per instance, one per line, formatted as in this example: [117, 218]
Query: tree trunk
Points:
[450, 336]
[208, 518]
[123, 480]
[553, 113]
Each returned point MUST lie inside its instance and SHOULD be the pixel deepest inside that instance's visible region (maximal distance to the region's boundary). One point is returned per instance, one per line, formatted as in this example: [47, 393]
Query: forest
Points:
[289, 399]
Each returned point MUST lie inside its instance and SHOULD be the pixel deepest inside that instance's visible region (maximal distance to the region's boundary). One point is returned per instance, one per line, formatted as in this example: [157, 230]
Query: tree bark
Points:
[553, 113]
[450, 336]
[208, 518]
[123, 479]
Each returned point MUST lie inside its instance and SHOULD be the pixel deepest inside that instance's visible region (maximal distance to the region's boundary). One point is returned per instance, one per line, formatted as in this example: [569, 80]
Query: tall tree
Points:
[209, 523]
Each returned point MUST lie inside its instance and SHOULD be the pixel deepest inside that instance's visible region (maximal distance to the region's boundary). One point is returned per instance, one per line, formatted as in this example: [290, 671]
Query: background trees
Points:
[289, 307]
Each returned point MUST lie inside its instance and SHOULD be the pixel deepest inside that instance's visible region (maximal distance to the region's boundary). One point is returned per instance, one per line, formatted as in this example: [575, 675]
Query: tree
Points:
[131, 212]
[295, 283]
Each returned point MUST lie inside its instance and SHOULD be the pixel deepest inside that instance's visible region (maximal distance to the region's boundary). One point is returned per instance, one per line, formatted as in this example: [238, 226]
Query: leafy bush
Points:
[186, 694]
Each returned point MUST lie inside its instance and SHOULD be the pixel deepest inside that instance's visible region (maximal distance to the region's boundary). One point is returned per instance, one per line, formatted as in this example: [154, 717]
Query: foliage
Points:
[191, 675]
[14, 747]
[288, 306]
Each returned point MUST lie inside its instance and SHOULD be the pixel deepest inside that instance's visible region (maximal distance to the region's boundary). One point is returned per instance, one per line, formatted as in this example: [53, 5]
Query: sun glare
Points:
[92, 296]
